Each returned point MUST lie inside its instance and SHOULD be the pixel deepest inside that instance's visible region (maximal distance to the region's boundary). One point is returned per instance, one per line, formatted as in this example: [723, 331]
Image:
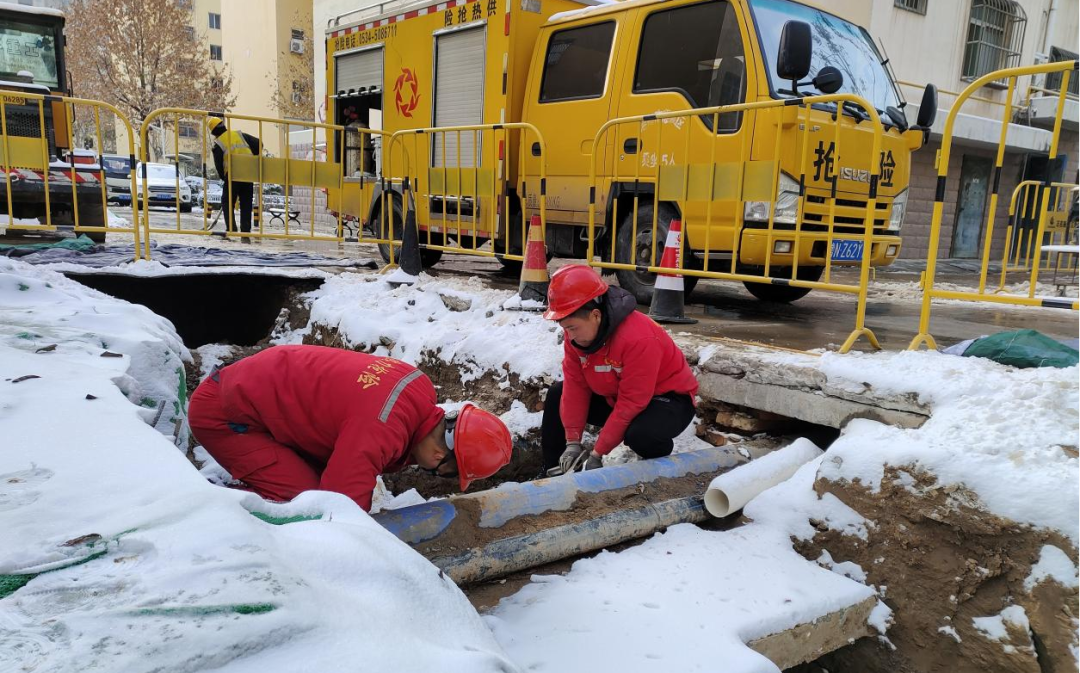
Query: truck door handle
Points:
[536, 149]
[630, 146]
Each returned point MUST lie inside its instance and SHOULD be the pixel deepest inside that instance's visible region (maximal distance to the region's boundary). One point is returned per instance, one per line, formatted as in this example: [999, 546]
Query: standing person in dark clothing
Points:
[236, 144]
[620, 370]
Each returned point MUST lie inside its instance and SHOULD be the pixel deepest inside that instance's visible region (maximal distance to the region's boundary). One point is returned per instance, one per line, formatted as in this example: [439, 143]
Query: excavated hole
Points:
[237, 309]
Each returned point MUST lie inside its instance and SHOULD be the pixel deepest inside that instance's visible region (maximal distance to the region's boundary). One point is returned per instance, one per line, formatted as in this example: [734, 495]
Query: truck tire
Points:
[428, 258]
[781, 294]
[93, 214]
[637, 283]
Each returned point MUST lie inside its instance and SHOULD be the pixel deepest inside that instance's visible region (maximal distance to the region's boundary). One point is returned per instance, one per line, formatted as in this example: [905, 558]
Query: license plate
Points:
[163, 197]
[847, 251]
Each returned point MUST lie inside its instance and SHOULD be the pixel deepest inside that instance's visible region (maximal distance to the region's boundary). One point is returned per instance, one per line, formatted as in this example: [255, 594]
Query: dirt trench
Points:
[941, 560]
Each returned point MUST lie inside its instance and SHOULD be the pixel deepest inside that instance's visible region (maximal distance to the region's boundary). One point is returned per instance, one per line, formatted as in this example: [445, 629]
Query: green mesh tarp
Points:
[1023, 348]
[82, 243]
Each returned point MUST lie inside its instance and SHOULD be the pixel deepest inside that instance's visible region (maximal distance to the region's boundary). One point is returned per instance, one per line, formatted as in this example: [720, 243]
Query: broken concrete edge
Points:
[808, 641]
[790, 384]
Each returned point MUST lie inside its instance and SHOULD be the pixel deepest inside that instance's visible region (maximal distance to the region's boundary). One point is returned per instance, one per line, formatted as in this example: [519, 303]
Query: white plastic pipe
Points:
[730, 491]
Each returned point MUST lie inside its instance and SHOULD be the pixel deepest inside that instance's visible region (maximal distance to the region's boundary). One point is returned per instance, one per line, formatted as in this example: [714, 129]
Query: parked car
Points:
[117, 178]
[161, 182]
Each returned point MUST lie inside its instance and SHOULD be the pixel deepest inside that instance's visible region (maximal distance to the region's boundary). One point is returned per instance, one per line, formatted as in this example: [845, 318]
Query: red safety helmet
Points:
[572, 286]
[482, 444]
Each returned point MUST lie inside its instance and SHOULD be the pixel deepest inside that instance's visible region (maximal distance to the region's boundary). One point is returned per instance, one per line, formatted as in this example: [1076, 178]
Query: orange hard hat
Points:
[570, 287]
[482, 444]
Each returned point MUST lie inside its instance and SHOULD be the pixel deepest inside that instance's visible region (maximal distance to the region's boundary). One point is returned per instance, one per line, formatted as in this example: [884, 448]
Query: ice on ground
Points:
[133, 561]
[411, 322]
[998, 431]
[153, 269]
[117, 221]
[45, 314]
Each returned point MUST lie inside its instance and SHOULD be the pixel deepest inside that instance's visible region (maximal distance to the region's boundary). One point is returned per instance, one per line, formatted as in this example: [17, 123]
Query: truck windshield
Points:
[30, 47]
[837, 42]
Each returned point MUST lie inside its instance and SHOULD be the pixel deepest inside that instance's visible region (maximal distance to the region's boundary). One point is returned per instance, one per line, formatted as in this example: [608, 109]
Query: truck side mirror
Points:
[927, 108]
[828, 80]
[793, 56]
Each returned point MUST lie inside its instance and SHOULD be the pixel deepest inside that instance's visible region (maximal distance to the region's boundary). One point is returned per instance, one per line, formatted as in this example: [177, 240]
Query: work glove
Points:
[572, 457]
[594, 462]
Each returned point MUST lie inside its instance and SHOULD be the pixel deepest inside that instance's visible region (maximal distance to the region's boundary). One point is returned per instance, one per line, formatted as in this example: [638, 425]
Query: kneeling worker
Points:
[297, 418]
[621, 371]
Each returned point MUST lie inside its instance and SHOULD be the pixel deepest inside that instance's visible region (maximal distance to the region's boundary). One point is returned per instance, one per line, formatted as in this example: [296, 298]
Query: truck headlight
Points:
[787, 204]
[896, 217]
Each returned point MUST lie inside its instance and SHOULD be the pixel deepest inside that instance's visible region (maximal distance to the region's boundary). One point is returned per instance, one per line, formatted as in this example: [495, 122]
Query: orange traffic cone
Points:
[667, 298]
[534, 274]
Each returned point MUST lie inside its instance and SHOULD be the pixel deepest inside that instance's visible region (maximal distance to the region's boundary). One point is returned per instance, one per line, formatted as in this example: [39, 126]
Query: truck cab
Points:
[643, 57]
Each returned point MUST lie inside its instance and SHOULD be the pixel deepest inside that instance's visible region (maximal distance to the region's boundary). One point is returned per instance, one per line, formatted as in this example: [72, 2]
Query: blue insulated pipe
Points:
[484, 535]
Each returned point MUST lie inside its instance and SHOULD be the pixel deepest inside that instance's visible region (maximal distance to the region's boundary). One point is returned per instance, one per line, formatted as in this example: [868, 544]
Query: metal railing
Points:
[44, 192]
[348, 198]
[930, 292]
[455, 181]
[713, 193]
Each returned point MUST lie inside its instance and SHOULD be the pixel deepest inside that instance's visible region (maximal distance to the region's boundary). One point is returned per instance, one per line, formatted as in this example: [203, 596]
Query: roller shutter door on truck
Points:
[459, 92]
[359, 70]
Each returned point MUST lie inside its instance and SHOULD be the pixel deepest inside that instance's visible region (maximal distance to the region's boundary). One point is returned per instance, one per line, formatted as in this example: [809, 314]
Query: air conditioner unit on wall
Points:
[296, 46]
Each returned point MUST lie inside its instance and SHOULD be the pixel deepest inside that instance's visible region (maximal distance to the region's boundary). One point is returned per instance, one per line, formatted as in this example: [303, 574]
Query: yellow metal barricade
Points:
[930, 292]
[455, 180]
[48, 183]
[712, 193]
[1019, 240]
[323, 195]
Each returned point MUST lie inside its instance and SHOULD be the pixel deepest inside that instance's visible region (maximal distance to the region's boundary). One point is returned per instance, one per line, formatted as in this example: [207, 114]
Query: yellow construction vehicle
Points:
[36, 134]
[568, 68]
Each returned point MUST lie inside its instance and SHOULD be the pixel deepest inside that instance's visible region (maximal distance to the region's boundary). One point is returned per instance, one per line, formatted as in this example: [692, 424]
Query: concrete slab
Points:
[806, 642]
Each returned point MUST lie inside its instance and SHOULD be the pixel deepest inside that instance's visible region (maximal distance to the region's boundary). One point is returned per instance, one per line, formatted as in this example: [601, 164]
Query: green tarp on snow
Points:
[80, 244]
[1023, 348]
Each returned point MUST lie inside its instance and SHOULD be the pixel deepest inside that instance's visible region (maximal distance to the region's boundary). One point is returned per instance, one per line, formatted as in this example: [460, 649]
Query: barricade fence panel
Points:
[1035, 240]
[50, 183]
[767, 210]
[456, 182]
[324, 189]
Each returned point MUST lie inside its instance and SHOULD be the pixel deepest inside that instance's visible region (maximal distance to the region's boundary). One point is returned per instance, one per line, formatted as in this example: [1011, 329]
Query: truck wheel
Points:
[428, 258]
[781, 294]
[639, 252]
[93, 214]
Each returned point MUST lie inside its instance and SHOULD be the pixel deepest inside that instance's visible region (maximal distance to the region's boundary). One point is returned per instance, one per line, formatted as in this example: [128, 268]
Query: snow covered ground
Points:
[123, 557]
[136, 561]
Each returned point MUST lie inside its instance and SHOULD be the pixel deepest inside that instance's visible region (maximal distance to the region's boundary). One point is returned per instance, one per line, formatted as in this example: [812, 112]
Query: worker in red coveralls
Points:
[621, 371]
[299, 418]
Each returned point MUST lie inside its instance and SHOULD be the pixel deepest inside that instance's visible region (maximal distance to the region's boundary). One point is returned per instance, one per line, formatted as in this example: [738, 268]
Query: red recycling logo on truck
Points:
[406, 94]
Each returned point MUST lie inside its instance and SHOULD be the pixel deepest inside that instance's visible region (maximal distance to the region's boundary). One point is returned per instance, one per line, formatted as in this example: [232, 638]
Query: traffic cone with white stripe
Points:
[667, 298]
[534, 273]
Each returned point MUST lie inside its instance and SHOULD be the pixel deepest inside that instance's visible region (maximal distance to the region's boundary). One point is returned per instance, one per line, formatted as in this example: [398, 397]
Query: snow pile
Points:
[995, 627]
[998, 431]
[122, 557]
[684, 599]
[459, 321]
[44, 314]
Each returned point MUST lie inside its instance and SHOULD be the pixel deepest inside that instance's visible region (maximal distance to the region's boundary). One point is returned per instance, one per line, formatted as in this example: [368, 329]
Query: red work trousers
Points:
[247, 451]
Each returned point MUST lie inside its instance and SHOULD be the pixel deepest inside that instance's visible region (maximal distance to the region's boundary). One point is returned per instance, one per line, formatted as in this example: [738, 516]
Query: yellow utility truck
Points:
[568, 68]
[36, 135]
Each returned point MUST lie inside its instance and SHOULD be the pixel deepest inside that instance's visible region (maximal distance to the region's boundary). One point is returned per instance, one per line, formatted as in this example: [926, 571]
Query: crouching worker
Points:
[621, 371]
[299, 418]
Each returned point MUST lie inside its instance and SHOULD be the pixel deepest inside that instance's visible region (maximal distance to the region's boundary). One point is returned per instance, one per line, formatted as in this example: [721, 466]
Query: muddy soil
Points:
[942, 560]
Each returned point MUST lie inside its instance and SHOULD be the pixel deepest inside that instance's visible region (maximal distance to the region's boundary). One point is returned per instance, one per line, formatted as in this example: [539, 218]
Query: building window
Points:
[577, 63]
[215, 52]
[917, 6]
[184, 4]
[215, 21]
[995, 38]
[1053, 79]
[189, 33]
[189, 130]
